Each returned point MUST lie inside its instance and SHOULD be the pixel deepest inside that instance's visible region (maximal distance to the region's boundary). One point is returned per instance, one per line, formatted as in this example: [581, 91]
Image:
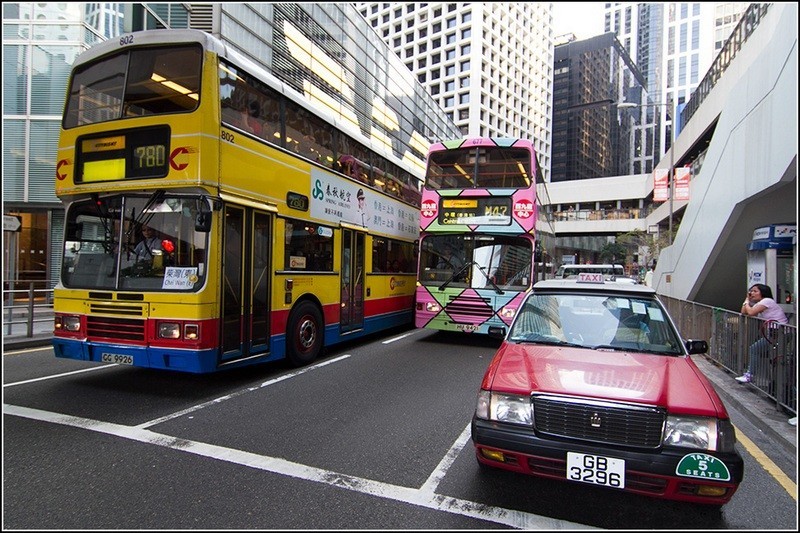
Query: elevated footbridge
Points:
[741, 140]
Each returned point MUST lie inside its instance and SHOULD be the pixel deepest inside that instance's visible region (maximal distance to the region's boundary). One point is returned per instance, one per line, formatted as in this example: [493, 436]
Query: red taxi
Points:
[593, 384]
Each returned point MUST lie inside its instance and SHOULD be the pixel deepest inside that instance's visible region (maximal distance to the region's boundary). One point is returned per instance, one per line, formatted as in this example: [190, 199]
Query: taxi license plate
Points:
[596, 469]
[117, 358]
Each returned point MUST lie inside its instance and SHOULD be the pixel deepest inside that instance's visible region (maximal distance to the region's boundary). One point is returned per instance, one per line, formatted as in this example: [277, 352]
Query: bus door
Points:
[245, 283]
[352, 316]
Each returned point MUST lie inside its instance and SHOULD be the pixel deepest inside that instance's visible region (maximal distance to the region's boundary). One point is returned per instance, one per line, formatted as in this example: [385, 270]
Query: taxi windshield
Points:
[598, 321]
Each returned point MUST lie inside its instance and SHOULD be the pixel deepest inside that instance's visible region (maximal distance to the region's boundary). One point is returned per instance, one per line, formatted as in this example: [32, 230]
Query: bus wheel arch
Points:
[305, 333]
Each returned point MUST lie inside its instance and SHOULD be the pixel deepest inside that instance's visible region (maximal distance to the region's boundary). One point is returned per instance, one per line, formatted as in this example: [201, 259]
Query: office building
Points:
[591, 138]
[488, 64]
[41, 41]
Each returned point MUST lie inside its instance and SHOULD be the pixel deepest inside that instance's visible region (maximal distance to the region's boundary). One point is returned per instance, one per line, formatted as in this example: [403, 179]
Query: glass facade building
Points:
[346, 66]
[591, 137]
[40, 43]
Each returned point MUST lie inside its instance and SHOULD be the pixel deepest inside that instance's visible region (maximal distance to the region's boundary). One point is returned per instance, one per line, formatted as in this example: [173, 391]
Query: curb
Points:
[20, 343]
[759, 411]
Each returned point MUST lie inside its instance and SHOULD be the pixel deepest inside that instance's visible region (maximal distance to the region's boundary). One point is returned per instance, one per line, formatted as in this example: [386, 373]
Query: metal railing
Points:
[27, 308]
[732, 337]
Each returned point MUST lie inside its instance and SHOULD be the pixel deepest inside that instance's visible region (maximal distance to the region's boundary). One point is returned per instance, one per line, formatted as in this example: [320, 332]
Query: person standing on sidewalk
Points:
[760, 303]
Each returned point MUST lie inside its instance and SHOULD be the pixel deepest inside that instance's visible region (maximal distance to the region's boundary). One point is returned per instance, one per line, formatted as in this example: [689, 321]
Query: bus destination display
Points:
[473, 211]
[141, 153]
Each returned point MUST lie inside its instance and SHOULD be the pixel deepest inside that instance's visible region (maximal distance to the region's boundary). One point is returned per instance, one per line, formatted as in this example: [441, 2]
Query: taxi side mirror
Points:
[696, 346]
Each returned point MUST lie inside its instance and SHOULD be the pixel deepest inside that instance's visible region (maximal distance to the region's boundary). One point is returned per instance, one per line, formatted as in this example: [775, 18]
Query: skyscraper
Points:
[490, 65]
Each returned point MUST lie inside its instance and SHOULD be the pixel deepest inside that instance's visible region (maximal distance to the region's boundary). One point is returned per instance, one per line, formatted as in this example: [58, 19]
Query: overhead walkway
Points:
[748, 177]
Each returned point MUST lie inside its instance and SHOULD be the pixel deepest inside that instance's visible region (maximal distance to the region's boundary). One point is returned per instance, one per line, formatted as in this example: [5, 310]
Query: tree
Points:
[613, 252]
[647, 245]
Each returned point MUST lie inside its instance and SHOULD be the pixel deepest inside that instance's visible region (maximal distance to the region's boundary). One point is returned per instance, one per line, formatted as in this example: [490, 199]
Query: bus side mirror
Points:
[203, 222]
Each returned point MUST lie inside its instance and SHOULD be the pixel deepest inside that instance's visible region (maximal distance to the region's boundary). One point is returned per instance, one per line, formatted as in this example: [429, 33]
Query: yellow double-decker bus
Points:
[209, 222]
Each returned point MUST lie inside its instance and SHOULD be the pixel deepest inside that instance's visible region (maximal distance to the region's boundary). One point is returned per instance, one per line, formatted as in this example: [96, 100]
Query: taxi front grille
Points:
[596, 421]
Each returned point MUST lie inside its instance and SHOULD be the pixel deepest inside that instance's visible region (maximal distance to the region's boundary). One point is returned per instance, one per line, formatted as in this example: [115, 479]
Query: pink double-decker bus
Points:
[478, 250]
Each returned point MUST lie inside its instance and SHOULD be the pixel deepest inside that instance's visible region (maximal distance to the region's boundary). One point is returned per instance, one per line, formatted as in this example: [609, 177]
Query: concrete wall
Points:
[749, 176]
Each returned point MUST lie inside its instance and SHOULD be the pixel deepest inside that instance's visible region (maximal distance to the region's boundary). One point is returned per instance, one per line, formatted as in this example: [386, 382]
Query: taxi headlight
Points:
[694, 432]
[508, 408]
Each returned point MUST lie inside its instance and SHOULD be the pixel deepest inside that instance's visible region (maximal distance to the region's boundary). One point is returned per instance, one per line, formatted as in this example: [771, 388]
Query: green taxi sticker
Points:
[703, 466]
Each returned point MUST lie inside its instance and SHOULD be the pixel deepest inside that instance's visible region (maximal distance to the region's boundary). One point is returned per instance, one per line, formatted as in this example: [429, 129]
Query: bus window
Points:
[308, 135]
[308, 247]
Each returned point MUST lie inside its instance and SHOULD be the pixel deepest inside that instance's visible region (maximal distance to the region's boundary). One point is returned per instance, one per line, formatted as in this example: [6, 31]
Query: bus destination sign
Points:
[492, 211]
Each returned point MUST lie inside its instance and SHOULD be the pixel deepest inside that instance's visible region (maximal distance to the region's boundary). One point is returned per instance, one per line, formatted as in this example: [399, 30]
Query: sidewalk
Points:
[761, 412]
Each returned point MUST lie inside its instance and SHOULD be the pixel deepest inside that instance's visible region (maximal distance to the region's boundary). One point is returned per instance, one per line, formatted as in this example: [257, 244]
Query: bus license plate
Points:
[117, 358]
[596, 469]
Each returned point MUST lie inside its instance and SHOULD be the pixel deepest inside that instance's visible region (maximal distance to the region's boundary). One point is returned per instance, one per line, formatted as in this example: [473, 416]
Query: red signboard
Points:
[660, 185]
[682, 183]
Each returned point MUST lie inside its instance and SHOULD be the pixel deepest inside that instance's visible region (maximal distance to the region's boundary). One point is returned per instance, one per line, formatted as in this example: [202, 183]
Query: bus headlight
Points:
[508, 312]
[169, 330]
[433, 307]
[67, 323]
[191, 332]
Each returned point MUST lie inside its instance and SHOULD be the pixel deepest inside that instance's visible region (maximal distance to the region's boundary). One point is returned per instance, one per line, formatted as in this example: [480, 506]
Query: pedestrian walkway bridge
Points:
[739, 134]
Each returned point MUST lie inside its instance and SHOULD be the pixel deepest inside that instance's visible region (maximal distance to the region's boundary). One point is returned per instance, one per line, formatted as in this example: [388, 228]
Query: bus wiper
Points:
[157, 196]
[456, 274]
[497, 289]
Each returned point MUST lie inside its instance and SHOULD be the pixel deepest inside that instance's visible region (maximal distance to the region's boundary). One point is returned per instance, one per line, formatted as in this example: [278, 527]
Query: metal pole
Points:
[671, 174]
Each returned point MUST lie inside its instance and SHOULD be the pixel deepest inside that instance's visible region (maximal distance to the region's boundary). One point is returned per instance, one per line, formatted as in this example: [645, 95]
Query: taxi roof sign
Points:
[591, 277]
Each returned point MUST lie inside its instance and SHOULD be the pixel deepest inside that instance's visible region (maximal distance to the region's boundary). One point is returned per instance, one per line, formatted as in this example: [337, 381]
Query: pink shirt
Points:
[772, 312]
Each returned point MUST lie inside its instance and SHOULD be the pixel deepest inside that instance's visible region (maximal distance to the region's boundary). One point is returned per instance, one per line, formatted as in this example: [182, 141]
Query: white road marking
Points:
[58, 375]
[423, 497]
[403, 336]
[243, 391]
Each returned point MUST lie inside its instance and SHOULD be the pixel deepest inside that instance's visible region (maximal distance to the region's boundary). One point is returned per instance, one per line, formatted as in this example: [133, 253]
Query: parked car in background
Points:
[594, 384]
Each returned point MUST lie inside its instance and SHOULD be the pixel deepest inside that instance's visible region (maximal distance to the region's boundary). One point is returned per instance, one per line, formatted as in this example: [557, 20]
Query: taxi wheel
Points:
[304, 334]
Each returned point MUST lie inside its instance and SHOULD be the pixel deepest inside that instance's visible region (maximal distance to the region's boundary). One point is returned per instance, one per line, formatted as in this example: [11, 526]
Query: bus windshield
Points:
[476, 261]
[127, 242]
[133, 83]
[481, 167]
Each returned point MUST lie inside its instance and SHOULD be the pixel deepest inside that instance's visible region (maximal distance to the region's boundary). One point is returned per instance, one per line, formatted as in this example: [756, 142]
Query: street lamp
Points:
[671, 179]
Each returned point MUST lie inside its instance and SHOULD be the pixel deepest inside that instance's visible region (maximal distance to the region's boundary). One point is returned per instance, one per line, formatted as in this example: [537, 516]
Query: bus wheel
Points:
[304, 335]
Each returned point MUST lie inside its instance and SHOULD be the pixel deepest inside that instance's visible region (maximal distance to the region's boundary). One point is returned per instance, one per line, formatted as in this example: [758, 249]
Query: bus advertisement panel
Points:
[209, 221]
[478, 223]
